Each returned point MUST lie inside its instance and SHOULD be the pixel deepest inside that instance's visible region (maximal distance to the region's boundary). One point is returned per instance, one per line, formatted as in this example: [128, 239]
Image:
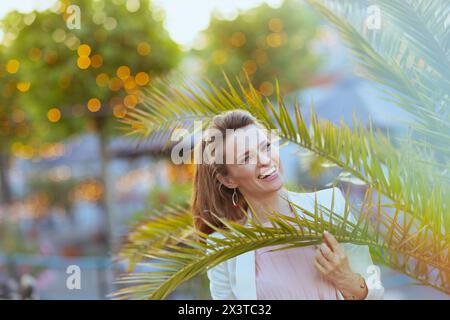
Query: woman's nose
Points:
[263, 158]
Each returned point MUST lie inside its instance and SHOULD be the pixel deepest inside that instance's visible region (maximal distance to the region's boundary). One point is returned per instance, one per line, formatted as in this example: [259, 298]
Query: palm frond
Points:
[369, 157]
[184, 258]
[404, 215]
[406, 58]
[155, 231]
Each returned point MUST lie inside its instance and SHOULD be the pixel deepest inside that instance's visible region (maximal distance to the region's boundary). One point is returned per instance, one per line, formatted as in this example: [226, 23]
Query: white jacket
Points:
[235, 278]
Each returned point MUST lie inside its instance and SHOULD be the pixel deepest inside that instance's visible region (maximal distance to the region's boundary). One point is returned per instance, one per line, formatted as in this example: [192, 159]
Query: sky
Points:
[184, 18]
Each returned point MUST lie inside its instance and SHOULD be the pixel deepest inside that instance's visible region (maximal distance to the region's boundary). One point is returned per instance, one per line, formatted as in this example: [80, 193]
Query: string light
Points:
[102, 79]
[219, 57]
[12, 66]
[83, 60]
[123, 72]
[23, 86]
[94, 105]
[115, 84]
[274, 40]
[129, 83]
[84, 50]
[119, 111]
[238, 39]
[96, 61]
[142, 78]
[130, 100]
[34, 54]
[143, 48]
[250, 66]
[275, 25]
[266, 88]
[54, 115]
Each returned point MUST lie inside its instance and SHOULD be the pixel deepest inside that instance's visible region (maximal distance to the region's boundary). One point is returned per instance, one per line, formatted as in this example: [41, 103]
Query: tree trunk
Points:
[5, 188]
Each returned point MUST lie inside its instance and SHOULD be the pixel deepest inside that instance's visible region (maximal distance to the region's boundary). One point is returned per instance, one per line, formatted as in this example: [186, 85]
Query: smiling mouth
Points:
[268, 174]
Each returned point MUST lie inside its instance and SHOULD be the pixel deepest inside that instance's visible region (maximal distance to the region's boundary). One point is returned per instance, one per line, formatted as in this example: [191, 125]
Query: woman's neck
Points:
[265, 205]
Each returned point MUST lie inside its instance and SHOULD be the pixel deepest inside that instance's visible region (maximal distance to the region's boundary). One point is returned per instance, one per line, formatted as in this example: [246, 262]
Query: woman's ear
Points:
[227, 181]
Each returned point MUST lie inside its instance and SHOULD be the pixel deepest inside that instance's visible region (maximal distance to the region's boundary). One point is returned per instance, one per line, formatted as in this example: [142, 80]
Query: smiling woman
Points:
[253, 179]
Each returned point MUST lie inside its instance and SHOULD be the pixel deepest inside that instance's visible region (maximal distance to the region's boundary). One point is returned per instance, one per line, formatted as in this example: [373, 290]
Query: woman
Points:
[251, 176]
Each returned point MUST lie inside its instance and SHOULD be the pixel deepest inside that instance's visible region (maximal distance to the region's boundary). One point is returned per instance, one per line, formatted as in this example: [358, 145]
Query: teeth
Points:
[270, 172]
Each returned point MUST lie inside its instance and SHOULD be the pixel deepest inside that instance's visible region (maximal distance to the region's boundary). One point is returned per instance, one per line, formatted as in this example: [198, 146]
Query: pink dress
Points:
[290, 275]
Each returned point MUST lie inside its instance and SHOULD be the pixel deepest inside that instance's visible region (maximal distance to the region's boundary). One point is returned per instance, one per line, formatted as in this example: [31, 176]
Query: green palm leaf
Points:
[184, 258]
[411, 29]
[404, 216]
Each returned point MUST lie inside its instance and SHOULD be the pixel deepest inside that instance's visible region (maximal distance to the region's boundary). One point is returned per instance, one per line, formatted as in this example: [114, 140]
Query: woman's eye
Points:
[268, 145]
[246, 158]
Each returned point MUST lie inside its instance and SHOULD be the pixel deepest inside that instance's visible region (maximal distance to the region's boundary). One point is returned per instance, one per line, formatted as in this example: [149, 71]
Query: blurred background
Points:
[71, 182]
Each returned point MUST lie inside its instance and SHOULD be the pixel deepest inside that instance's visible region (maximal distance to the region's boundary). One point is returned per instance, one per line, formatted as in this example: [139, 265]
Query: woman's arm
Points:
[219, 280]
[219, 283]
[361, 262]
[356, 258]
[351, 269]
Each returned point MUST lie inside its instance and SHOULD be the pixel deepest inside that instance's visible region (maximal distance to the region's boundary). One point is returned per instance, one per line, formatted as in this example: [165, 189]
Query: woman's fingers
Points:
[326, 252]
[321, 260]
[320, 268]
[332, 242]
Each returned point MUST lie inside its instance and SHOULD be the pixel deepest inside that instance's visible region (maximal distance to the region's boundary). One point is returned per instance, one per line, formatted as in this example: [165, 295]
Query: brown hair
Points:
[211, 199]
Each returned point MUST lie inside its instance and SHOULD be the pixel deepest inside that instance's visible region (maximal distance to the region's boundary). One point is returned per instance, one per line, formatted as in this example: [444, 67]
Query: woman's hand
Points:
[332, 263]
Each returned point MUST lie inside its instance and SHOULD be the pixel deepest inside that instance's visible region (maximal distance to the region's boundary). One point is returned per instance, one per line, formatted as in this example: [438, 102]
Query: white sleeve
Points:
[359, 257]
[219, 282]
[361, 262]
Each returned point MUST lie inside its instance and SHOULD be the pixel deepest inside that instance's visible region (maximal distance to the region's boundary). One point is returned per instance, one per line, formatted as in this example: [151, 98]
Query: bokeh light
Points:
[119, 111]
[219, 57]
[54, 115]
[123, 72]
[102, 79]
[83, 62]
[84, 50]
[143, 48]
[23, 86]
[142, 78]
[130, 100]
[96, 61]
[115, 84]
[12, 66]
[238, 39]
[94, 105]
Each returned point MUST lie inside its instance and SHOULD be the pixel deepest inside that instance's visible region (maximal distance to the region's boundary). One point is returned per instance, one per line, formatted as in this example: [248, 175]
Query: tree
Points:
[265, 43]
[15, 125]
[404, 217]
[82, 78]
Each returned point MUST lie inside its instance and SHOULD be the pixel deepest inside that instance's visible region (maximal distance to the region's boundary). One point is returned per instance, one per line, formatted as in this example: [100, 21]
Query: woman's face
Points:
[256, 168]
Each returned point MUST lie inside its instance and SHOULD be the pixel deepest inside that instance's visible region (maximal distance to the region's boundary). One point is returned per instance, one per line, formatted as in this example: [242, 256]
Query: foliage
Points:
[404, 217]
[14, 123]
[159, 198]
[67, 68]
[408, 58]
[407, 217]
[264, 42]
